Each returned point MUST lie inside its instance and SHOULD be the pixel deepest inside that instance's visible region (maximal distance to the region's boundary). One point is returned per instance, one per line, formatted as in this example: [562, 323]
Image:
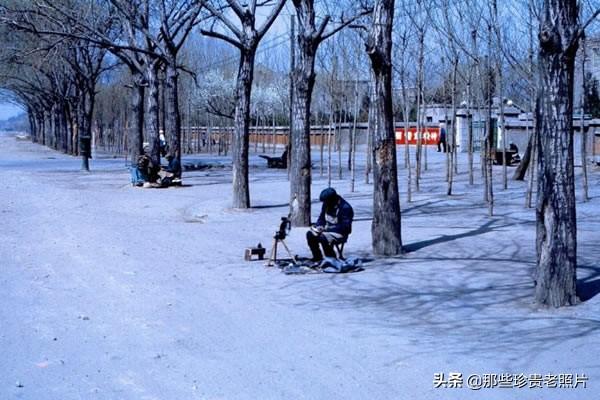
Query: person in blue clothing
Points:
[144, 170]
[334, 225]
[441, 144]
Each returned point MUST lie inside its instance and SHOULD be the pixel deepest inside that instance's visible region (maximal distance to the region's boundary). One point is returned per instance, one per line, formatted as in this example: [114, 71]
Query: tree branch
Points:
[271, 18]
[343, 24]
[222, 37]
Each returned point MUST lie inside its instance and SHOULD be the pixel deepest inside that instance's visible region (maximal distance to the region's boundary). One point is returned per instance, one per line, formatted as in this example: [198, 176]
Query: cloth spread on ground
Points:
[329, 265]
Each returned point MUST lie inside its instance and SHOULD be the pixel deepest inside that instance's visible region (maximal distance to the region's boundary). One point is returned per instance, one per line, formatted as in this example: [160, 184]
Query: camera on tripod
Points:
[284, 228]
[279, 237]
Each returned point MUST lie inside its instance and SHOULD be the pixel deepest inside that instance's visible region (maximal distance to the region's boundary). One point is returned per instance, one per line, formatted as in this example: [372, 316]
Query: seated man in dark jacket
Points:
[333, 225]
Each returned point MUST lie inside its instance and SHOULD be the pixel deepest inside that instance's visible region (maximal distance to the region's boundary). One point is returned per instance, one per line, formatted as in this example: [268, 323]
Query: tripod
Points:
[279, 237]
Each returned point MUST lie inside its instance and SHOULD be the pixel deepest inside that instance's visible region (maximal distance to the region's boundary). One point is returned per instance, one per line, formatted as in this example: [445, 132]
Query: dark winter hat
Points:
[328, 195]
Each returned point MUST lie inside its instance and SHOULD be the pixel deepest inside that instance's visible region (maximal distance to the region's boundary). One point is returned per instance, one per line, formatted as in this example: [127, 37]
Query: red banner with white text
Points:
[429, 136]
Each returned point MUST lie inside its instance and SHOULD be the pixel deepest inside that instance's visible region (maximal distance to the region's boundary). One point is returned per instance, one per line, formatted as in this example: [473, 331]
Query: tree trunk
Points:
[470, 90]
[41, 128]
[65, 126]
[502, 127]
[44, 127]
[406, 118]
[172, 116]
[50, 139]
[56, 132]
[489, 171]
[448, 139]
[353, 139]
[490, 145]
[241, 132]
[321, 145]
[385, 228]
[136, 133]
[300, 170]
[32, 128]
[274, 133]
[584, 174]
[370, 124]
[424, 130]
[86, 134]
[531, 171]
[69, 124]
[62, 127]
[329, 143]
[555, 278]
[262, 123]
[152, 118]
[162, 105]
[500, 83]
[418, 152]
[470, 132]
[407, 147]
[340, 138]
[256, 133]
[521, 170]
[452, 149]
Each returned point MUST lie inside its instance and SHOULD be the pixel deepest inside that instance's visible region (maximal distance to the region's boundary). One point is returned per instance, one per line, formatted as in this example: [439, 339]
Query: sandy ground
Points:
[113, 292]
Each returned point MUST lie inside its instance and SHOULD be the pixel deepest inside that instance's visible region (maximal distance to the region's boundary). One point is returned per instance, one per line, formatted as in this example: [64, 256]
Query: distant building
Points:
[436, 114]
[592, 66]
[592, 53]
[518, 124]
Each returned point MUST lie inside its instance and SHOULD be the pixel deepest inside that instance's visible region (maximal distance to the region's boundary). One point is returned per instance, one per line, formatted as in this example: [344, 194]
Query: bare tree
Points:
[385, 228]
[526, 70]
[489, 146]
[447, 31]
[556, 269]
[72, 74]
[310, 36]
[86, 63]
[177, 18]
[499, 71]
[110, 27]
[246, 39]
[402, 66]
[584, 174]
[421, 28]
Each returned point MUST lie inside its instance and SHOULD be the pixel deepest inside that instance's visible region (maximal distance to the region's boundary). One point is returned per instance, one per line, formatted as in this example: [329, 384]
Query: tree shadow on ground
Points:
[476, 302]
[267, 206]
[485, 228]
[467, 294]
[366, 213]
[588, 287]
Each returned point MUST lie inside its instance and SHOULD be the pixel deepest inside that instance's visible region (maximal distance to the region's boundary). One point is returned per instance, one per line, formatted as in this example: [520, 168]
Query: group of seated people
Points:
[148, 172]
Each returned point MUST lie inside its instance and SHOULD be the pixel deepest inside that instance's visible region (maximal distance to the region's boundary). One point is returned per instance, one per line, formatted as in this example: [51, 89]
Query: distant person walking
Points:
[442, 138]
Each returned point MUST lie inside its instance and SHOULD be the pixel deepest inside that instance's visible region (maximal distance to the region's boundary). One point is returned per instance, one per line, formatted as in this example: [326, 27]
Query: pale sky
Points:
[8, 110]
